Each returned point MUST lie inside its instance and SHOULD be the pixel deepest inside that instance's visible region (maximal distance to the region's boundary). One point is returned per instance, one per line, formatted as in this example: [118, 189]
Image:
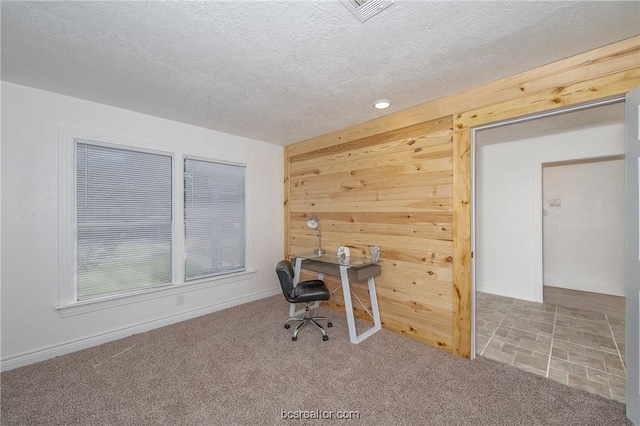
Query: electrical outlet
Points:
[179, 299]
[555, 202]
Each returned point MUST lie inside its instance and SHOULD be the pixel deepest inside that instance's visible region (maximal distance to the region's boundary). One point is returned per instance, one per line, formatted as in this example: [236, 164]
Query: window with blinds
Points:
[123, 220]
[214, 215]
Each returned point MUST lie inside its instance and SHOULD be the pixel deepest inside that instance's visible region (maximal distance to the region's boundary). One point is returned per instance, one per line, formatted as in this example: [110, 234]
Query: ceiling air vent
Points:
[365, 9]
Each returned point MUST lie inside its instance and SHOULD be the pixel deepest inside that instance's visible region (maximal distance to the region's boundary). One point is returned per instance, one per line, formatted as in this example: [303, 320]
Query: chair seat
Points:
[309, 291]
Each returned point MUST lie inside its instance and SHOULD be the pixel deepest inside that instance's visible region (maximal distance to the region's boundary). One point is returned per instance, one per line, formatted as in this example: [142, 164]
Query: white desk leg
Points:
[348, 305]
[377, 324]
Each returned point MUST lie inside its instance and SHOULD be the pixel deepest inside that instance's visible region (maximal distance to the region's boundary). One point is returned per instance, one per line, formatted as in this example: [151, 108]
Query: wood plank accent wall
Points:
[403, 182]
[394, 190]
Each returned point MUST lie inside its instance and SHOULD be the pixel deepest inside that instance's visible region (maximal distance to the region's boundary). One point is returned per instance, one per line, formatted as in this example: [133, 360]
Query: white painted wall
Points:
[584, 238]
[32, 329]
[506, 227]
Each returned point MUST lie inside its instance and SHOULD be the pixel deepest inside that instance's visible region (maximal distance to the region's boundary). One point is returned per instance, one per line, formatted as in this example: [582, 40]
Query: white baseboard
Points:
[84, 343]
[506, 292]
[590, 287]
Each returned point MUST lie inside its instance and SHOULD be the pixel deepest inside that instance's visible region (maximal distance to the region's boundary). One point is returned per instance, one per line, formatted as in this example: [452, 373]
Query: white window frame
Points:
[68, 305]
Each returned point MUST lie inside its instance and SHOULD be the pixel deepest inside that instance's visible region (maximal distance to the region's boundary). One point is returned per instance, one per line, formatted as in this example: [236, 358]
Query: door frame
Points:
[538, 164]
[632, 179]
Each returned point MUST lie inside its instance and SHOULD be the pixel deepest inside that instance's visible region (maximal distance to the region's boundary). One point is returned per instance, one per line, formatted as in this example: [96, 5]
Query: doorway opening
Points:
[512, 324]
[583, 241]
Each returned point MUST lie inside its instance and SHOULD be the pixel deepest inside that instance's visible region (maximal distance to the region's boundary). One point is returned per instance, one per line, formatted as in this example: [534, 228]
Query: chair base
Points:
[308, 320]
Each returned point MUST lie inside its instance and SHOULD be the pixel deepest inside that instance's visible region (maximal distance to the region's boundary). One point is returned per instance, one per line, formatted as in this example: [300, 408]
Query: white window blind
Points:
[123, 219]
[214, 215]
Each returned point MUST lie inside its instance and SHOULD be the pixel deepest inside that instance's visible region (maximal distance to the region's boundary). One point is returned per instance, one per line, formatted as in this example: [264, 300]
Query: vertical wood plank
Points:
[462, 286]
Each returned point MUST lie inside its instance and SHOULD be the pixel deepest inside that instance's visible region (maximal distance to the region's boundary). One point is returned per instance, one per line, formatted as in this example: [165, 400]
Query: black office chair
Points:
[305, 291]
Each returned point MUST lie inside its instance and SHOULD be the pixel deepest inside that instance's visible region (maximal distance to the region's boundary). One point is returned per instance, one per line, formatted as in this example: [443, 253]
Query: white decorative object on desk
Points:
[344, 251]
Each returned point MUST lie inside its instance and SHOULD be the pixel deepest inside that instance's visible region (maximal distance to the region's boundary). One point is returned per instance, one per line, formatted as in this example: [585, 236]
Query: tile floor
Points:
[579, 348]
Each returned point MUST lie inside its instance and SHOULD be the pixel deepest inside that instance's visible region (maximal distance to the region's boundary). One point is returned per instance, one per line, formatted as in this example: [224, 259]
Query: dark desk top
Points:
[354, 261]
[359, 268]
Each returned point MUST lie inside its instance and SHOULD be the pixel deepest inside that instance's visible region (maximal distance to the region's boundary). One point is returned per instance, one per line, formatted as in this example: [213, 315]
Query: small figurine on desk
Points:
[375, 253]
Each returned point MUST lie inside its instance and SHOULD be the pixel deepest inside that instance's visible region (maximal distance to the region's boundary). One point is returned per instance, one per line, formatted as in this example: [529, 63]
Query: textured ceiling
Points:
[284, 71]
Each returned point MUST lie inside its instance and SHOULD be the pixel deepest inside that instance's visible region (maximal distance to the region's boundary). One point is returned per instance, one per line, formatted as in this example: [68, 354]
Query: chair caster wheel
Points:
[325, 338]
[329, 324]
[294, 338]
[287, 326]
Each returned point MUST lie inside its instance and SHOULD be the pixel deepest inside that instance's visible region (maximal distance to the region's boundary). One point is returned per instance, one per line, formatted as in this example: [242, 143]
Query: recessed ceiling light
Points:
[382, 104]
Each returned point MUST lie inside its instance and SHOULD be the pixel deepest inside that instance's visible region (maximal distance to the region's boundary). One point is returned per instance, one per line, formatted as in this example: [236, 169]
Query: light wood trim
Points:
[616, 57]
[462, 285]
[549, 99]
[397, 133]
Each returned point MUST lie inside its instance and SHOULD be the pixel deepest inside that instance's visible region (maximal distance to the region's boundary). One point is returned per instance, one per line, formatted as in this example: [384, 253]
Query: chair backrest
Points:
[285, 275]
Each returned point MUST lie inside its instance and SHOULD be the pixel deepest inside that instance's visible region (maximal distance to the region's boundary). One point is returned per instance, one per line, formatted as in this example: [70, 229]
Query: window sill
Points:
[86, 306]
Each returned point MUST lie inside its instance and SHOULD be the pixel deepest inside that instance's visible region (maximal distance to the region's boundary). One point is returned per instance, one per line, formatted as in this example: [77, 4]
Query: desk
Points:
[354, 268]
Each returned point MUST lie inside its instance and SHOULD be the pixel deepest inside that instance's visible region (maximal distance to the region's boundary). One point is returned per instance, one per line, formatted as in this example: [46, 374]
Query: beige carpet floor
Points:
[240, 367]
